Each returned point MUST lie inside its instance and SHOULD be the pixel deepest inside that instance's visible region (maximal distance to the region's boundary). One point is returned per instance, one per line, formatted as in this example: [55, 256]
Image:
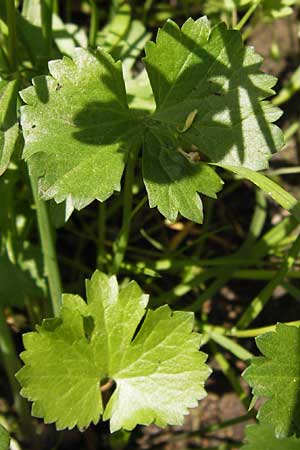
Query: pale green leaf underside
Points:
[211, 71]
[276, 376]
[4, 438]
[172, 182]
[261, 437]
[158, 374]
[78, 128]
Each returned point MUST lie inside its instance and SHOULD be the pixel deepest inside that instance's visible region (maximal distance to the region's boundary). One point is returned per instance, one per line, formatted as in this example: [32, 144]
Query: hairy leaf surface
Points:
[212, 72]
[210, 98]
[159, 372]
[78, 128]
[261, 437]
[276, 375]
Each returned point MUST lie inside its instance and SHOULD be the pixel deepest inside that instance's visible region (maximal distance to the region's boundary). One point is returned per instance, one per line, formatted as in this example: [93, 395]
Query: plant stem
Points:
[121, 242]
[12, 365]
[227, 423]
[46, 13]
[101, 235]
[12, 34]
[229, 373]
[68, 11]
[93, 24]
[253, 332]
[247, 16]
[265, 294]
[48, 248]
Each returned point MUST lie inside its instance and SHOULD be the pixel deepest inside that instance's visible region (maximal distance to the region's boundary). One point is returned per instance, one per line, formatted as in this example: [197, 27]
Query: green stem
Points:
[147, 7]
[48, 248]
[260, 274]
[265, 294]
[101, 235]
[276, 192]
[68, 11]
[93, 24]
[227, 423]
[229, 373]
[46, 13]
[55, 7]
[247, 16]
[251, 332]
[121, 242]
[12, 365]
[12, 34]
[258, 331]
[10, 359]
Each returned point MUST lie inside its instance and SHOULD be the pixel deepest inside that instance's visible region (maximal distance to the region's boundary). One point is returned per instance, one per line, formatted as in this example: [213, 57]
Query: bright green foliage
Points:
[78, 128]
[173, 182]
[261, 437]
[9, 128]
[18, 281]
[4, 439]
[159, 373]
[275, 9]
[212, 71]
[276, 375]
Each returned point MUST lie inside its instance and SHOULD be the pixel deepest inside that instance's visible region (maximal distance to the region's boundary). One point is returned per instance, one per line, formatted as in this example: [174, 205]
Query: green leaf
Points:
[158, 370]
[4, 438]
[9, 127]
[173, 182]
[275, 9]
[68, 36]
[261, 436]
[210, 98]
[274, 190]
[78, 128]
[276, 376]
[211, 71]
[18, 281]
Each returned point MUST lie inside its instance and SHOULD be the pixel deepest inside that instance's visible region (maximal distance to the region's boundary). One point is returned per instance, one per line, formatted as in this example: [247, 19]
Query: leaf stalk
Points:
[48, 249]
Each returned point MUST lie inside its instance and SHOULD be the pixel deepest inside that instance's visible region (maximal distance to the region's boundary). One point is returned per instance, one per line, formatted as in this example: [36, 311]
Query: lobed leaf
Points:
[210, 98]
[211, 71]
[261, 436]
[276, 376]
[158, 370]
[173, 182]
[78, 128]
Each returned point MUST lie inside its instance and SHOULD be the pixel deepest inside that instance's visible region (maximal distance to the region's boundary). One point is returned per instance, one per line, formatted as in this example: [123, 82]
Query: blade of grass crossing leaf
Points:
[224, 274]
[276, 192]
[261, 274]
[227, 343]
[229, 373]
[94, 20]
[46, 14]
[265, 294]
[292, 290]
[12, 35]
[120, 245]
